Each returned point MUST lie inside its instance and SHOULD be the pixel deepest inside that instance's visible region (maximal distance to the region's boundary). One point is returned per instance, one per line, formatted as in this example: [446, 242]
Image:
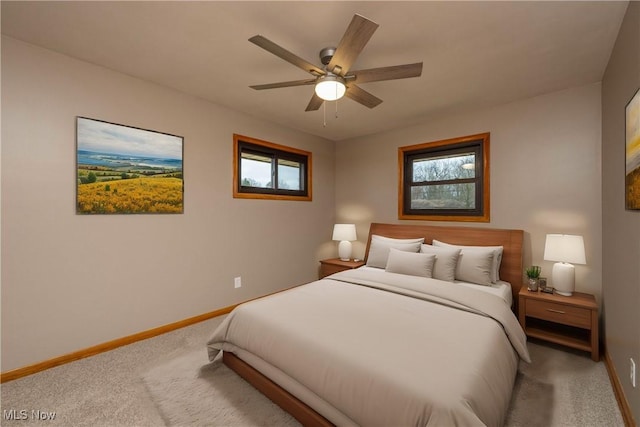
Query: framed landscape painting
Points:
[127, 170]
[632, 150]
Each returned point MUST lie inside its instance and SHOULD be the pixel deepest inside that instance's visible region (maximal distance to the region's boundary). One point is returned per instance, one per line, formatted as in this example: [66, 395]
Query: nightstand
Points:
[334, 265]
[570, 321]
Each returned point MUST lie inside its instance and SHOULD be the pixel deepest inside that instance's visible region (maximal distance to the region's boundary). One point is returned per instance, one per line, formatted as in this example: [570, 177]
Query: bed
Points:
[388, 343]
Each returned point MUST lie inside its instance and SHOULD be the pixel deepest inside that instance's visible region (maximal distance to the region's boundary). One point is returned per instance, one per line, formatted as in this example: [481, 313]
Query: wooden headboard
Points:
[511, 268]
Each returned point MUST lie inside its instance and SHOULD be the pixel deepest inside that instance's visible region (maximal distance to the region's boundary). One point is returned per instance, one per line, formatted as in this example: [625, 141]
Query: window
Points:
[445, 180]
[263, 170]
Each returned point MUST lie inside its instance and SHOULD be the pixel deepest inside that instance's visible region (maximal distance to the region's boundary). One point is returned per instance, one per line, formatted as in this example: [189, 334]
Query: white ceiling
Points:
[475, 54]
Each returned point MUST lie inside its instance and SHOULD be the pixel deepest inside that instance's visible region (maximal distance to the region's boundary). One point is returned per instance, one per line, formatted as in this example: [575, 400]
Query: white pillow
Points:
[474, 266]
[445, 263]
[413, 264]
[379, 249]
[497, 256]
[378, 238]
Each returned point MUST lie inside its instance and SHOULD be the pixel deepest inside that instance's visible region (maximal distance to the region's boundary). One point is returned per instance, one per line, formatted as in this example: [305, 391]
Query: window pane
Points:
[264, 170]
[445, 180]
[289, 175]
[444, 168]
[449, 196]
[256, 171]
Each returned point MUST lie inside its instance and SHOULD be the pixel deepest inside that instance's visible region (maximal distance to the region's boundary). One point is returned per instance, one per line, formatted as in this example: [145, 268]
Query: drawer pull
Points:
[556, 311]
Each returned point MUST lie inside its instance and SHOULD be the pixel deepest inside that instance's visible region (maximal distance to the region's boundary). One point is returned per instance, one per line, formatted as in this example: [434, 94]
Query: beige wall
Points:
[621, 228]
[545, 172]
[72, 281]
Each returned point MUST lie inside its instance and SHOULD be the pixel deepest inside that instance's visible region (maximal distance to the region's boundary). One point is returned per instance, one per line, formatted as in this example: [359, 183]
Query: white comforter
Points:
[375, 348]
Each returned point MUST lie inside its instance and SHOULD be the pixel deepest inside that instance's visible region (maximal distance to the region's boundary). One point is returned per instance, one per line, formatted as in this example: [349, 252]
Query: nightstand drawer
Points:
[559, 313]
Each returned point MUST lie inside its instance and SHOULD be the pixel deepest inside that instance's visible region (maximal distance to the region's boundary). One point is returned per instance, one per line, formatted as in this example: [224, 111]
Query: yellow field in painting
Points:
[136, 195]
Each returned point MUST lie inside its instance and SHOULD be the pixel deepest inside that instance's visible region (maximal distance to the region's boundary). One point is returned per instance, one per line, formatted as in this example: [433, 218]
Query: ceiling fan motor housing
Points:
[326, 54]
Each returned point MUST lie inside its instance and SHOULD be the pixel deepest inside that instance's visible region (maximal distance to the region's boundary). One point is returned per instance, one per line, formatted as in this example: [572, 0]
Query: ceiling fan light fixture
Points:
[330, 87]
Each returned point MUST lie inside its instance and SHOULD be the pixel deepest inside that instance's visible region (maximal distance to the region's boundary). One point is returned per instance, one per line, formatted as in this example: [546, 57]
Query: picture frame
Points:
[632, 152]
[122, 169]
[542, 283]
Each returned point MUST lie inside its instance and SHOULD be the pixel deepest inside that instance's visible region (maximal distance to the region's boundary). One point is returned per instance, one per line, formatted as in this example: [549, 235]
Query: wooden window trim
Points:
[402, 151]
[238, 194]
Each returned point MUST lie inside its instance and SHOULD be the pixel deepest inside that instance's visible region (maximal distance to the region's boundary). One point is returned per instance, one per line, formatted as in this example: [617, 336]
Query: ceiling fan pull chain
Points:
[324, 114]
[336, 108]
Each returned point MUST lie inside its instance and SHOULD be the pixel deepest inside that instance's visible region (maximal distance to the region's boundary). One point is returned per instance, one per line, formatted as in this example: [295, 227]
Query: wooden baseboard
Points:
[623, 404]
[110, 345]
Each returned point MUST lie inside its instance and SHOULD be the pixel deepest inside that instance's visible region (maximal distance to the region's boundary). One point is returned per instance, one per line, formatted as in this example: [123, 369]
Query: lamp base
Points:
[344, 250]
[563, 278]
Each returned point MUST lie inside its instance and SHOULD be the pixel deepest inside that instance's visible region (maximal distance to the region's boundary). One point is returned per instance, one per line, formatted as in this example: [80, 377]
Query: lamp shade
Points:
[564, 248]
[330, 87]
[344, 232]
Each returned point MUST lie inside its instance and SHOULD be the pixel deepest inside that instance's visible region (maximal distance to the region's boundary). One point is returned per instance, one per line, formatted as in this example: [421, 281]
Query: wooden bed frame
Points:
[510, 271]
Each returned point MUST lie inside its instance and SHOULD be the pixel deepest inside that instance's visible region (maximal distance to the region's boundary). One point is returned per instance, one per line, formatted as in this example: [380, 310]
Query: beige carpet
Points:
[559, 388]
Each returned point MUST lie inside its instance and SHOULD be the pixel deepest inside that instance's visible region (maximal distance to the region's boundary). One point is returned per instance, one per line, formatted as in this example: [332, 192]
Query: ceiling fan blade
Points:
[284, 84]
[393, 72]
[353, 41]
[315, 103]
[281, 52]
[362, 96]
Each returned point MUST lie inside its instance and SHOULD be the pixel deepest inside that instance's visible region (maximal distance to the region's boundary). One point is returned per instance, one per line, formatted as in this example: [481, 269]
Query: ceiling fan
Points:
[336, 78]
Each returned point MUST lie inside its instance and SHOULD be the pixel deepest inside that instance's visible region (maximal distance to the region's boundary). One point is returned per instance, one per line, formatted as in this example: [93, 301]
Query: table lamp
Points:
[566, 250]
[345, 233]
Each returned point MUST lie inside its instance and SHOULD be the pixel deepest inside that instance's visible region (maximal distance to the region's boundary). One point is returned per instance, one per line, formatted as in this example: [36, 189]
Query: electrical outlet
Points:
[237, 282]
[632, 373]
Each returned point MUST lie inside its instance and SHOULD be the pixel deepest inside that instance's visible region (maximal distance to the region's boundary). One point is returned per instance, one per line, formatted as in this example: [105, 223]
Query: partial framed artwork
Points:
[632, 153]
[127, 170]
